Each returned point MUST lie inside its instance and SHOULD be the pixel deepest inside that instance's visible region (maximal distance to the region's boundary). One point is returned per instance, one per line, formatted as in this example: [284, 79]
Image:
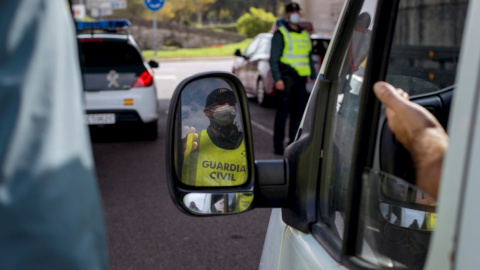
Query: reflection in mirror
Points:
[227, 203]
[408, 218]
[396, 223]
[212, 149]
[397, 189]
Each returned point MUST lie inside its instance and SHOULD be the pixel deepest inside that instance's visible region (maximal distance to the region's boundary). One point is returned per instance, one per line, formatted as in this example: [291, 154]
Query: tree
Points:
[255, 22]
[135, 8]
[197, 10]
[201, 6]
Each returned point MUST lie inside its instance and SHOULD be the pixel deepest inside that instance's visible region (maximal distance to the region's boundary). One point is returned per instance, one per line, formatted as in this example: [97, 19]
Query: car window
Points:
[264, 45]
[108, 54]
[426, 59]
[338, 156]
[252, 47]
[396, 218]
[109, 65]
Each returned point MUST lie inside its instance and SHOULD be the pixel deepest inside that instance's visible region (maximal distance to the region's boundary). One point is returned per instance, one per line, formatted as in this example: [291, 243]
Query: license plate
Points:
[104, 118]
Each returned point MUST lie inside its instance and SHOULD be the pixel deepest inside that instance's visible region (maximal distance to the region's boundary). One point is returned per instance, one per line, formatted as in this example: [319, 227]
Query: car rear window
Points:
[109, 54]
[109, 65]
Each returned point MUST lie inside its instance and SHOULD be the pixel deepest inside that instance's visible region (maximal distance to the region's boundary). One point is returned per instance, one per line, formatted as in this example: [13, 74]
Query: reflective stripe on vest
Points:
[296, 50]
[210, 165]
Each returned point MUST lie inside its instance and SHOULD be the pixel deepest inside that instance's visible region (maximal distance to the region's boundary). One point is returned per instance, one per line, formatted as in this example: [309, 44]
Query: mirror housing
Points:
[266, 183]
[238, 53]
[200, 164]
[153, 64]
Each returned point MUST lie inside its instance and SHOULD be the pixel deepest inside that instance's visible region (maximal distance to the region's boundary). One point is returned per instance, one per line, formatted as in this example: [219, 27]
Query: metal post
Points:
[155, 33]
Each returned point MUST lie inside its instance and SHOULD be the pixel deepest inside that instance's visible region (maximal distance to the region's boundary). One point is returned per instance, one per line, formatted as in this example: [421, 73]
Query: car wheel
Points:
[261, 98]
[150, 131]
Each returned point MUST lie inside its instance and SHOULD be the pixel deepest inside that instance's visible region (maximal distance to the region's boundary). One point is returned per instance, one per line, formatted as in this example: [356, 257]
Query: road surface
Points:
[145, 230]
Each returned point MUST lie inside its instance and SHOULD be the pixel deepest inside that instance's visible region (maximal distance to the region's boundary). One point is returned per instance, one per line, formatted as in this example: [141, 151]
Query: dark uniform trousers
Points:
[292, 100]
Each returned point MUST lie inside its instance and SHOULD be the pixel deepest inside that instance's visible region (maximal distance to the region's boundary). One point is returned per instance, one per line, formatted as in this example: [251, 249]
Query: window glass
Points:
[426, 45]
[252, 47]
[397, 218]
[264, 45]
[212, 148]
[339, 154]
[109, 54]
[108, 65]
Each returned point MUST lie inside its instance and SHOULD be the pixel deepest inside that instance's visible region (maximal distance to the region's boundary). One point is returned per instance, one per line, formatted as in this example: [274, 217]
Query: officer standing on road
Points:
[291, 64]
[216, 156]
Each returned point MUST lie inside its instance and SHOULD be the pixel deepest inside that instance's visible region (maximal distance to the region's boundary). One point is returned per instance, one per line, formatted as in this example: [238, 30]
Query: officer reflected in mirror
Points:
[213, 150]
[224, 203]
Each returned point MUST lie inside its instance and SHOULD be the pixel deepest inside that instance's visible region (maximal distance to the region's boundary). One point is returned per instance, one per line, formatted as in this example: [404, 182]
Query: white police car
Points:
[118, 83]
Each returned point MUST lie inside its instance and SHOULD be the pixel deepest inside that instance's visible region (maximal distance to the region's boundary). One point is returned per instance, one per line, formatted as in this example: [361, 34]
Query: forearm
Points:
[427, 152]
[276, 51]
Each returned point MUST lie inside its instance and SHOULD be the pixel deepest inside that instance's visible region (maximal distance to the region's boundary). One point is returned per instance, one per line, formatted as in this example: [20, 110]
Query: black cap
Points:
[292, 7]
[220, 96]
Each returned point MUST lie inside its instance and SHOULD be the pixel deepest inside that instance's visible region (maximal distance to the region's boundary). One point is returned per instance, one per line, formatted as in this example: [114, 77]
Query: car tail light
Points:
[144, 80]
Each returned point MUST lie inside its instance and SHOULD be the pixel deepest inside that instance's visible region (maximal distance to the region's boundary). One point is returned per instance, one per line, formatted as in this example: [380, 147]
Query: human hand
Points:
[418, 131]
[187, 130]
[280, 85]
[407, 120]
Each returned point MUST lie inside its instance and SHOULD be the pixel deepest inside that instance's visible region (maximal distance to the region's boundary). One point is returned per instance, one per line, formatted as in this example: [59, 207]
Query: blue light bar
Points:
[102, 25]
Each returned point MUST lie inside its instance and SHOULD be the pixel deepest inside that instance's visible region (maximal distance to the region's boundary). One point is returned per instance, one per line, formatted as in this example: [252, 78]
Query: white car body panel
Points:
[114, 100]
[287, 248]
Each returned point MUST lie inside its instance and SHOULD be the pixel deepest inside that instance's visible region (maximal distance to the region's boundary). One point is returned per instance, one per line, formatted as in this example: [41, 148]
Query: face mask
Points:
[224, 115]
[294, 18]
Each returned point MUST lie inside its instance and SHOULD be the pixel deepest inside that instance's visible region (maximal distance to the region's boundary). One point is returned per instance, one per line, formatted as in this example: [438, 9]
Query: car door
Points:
[262, 54]
[244, 68]
[362, 210]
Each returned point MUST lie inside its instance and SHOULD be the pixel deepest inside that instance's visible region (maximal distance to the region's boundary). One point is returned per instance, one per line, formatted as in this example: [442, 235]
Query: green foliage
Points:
[255, 22]
[221, 27]
[214, 51]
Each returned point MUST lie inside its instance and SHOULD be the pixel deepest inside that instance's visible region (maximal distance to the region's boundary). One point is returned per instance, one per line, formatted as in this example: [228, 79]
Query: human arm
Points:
[418, 131]
[276, 50]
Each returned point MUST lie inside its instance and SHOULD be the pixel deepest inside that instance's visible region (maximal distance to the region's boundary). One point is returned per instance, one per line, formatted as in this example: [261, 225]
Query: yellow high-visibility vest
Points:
[431, 220]
[242, 202]
[296, 50]
[210, 165]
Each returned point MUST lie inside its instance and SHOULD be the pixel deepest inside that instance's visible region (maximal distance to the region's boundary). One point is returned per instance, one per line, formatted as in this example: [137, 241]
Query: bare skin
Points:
[418, 131]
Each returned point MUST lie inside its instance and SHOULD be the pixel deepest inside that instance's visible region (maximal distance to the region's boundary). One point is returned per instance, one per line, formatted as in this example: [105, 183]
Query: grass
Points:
[213, 51]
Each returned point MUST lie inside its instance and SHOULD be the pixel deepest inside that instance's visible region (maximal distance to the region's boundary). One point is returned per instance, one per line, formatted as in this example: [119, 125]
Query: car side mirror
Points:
[153, 64]
[209, 152]
[397, 202]
[238, 53]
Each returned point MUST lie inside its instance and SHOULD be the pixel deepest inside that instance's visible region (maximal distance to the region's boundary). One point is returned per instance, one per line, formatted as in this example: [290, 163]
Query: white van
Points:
[344, 194]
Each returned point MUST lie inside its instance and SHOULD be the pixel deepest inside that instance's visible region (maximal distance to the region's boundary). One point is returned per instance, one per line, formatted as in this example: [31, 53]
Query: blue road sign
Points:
[154, 5]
